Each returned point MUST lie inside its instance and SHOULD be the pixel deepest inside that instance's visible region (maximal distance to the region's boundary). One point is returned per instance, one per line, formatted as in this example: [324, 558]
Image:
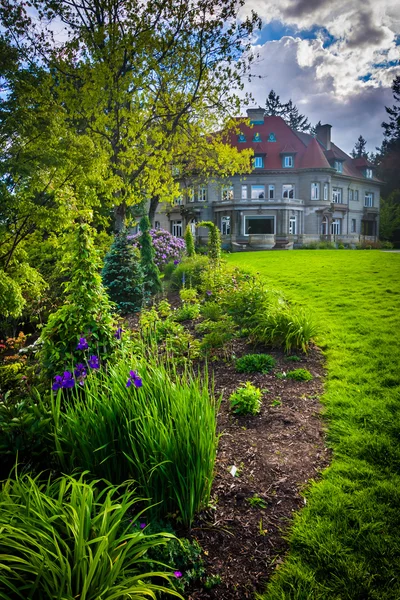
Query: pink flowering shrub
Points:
[168, 248]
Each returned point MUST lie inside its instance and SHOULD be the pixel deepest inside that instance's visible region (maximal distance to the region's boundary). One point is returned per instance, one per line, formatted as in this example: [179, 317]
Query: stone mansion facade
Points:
[300, 189]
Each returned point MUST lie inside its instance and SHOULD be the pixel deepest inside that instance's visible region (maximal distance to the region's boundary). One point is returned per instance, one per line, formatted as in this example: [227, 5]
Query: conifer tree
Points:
[359, 148]
[189, 241]
[294, 119]
[274, 106]
[152, 282]
[123, 275]
[214, 242]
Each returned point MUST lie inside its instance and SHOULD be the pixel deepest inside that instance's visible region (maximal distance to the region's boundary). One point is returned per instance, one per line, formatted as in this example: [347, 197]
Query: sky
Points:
[336, 60]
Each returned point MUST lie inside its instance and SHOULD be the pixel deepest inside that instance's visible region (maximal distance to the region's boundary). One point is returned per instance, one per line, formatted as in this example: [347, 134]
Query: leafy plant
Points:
[211, 311]
[189, 241]
[299, 375]
[214, 242]
[81, 535]
[189, 272]
[284, 326]
[255, 363]
[87, 310]
[246, 400]
[188, 295]
[293, 358]
[123, 275]
[187, 312]
[257, 502]
[182, 347]
[152, 282]
[212, 581]
[164, 308]
[162, 434]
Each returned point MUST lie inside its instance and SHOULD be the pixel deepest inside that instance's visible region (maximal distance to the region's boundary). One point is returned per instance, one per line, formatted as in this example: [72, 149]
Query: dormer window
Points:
[288, 161]
[258, 162]
[257, 137]
[368, 173]
[339, 166]
[271, 137]
[241, 137]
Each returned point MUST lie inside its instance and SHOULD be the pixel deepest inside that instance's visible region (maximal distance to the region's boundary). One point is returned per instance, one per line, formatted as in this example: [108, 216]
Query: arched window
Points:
[324, 226]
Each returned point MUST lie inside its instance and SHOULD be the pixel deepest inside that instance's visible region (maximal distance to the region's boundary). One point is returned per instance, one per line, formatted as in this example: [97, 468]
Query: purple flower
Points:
[80, 373]
[177, 574]
[68, 380]
[82, 345]
[94, 362]
[57, 383]
[209, 293]
[118, 333]
[135, 379]
[142, 525]
[176, 262]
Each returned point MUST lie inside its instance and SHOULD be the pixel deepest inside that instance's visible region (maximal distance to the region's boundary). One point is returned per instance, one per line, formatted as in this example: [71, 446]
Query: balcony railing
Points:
[238, 200]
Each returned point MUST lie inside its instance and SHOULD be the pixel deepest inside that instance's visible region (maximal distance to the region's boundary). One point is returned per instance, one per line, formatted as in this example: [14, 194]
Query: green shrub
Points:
[255, 363]
[10, 377]
[299, 375]
[86, 312]
[189, 241]
[123, 275]
[168, 270]
[211, 311]
[188, 272]
[188, 295]
[246, 400]
[284, 326]
[246, 296]
[293, 358]
[181, 347]
[340, 247]
[151, 273]
[214, 242]
[187, 312]
[162, 435]
[164, 308]
[68, 540]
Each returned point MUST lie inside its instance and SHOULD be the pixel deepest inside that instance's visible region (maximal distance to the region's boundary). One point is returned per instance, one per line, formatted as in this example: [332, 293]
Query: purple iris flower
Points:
[142, 525]
[135, 379]
[176, 262]
[68, 380]
[94, 362]
[57, 383]
[177, 574]
[118, 333]
[209, 293]
[82, 345]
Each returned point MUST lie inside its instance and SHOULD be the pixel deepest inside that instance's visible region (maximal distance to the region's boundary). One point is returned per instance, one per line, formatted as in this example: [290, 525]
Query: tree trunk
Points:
[152, 209]
[119, 217]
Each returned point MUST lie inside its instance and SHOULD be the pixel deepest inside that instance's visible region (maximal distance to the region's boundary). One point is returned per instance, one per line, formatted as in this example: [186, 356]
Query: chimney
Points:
[324, 135]
[256, 115]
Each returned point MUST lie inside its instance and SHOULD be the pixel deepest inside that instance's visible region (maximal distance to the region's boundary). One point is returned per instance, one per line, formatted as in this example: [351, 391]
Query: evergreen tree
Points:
[359, 148]
[189, 241]
[123, 276]
[274, 106]
[388, 158]
[294, 119]
[152, 282]
[214, 242]
[392, 128]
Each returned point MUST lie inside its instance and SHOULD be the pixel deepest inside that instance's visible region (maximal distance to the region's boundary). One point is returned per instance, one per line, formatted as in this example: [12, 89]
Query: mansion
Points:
[301, 189]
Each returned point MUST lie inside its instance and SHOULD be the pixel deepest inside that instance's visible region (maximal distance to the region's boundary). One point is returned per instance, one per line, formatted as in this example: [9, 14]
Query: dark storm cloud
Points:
[302, 7]
[365, 32]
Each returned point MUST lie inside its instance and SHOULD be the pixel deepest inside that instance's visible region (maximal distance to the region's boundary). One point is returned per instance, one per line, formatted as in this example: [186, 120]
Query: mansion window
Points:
[227, 192]
[244, 192]
[157, 225]
[241, 137]
[339, 166]
[324, 226]
[257, 192]
[326, 195]
[369, 199]
[176, 228]
[288, 191]
[337, 195]
[353, 227]
[259, 225]
[356, 195]
[368, 173]
[197, 194]
[257, 137]
[350, 195]
[225, 225]
[335, 227]
[288, 162]
[258, 162]
[315, 188]
[292, 226]
[271, 192]
[179, 200]
[193, 227]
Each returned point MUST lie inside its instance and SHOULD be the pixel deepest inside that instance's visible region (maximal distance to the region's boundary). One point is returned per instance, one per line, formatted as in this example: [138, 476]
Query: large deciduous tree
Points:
[142, 80]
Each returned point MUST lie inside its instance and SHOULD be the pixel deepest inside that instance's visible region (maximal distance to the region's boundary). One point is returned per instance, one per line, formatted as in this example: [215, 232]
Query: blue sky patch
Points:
[276, 30]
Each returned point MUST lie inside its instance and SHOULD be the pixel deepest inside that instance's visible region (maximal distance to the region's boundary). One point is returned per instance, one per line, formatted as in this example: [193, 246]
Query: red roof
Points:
[313, 157]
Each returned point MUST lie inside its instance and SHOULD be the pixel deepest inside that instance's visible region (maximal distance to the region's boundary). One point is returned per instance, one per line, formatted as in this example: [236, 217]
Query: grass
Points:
[345, 544]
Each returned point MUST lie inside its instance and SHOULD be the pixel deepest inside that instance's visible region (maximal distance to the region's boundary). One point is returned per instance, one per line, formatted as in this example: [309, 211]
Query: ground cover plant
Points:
[67, 539]
[255, 363]
[346, 543]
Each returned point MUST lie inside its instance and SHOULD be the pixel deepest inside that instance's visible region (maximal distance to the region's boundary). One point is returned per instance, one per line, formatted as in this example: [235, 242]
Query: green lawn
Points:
[346, 543]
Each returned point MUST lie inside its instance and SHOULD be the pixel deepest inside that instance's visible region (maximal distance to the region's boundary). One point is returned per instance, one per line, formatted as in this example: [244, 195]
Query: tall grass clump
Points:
[68, 540]
[284, 326]
[162, 434]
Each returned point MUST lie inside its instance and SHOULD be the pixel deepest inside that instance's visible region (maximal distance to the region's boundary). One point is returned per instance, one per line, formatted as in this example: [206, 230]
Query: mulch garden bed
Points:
[275, 452]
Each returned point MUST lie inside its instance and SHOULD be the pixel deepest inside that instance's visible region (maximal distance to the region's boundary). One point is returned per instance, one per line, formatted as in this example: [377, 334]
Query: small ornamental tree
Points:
[86, 312]
[189, 241]
[152, 282]
[214, 242]
[123, 275]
